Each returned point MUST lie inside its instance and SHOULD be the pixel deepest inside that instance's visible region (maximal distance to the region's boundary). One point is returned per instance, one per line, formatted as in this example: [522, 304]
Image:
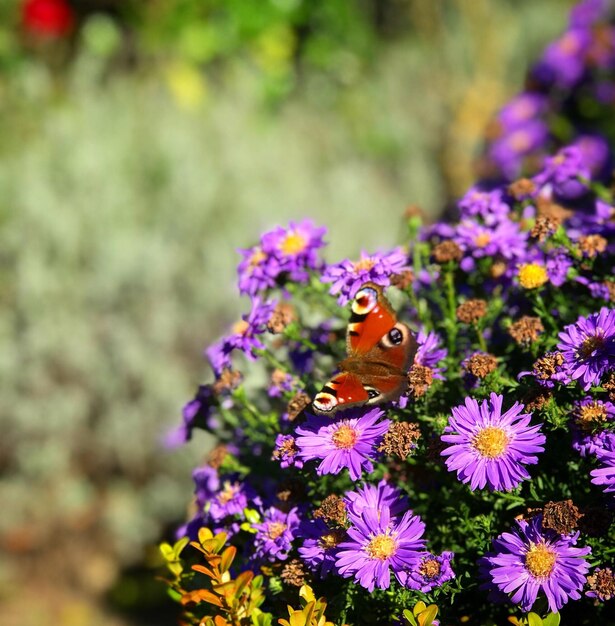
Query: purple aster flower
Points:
[232, 498]
[508, 151]
[319, 549]
[430, 571]
[558, 263]
[563, 171]
[348, 277]
[257, 271]
[490, 448]
[590, 418]
[588, 12]
[243, 336]
[522, 108]
[295, 248]
[548, 370]
[601, 584]
[530, 560]
[195, 413]
[206, 484]
[588, 347]
[430, 353]
[504, 240]
[281, 382]
[605, 475]
[378, 544]
[375, 497]
[274, 535]
[563, 61]
[350, 441]
[595, 153]
[286, 452]
[489, 205]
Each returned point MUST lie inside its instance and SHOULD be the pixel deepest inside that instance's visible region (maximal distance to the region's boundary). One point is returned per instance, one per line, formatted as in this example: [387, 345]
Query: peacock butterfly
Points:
[380, 352]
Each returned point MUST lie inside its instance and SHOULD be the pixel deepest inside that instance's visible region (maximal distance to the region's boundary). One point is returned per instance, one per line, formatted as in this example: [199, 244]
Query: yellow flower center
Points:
[490, 442]
[429, 568]
[482, 240]
[593, 412]
[345, 437]
[381, 547]
[364, 264]
[293, 243]
[532, 275]
[540, 560]
[240, 327]
[258, 256]
[275, 529]
[227, 493]
[520, 140]
[330, 540]
[592, 343]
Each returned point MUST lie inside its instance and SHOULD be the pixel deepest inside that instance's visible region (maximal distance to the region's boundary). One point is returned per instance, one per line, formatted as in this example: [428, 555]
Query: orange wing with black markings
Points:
[380, 351]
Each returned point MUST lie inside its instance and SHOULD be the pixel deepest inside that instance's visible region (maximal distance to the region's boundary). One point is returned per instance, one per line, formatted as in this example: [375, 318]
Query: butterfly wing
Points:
[380, 351]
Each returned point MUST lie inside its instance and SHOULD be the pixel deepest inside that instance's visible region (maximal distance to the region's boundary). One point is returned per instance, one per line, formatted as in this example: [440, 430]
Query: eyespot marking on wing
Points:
[365, 301]
[325, 402]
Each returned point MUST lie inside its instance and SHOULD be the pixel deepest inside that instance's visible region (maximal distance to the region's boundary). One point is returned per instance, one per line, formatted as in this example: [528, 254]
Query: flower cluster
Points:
[475, 465]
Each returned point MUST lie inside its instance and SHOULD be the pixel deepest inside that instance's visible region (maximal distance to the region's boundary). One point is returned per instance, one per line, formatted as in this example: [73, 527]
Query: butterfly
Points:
[380, 351]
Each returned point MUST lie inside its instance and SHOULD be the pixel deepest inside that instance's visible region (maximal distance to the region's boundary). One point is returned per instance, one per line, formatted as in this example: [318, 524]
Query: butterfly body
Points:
[380, 351]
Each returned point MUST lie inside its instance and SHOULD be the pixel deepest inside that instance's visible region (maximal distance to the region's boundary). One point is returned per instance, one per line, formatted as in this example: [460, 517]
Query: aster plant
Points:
[482, 490]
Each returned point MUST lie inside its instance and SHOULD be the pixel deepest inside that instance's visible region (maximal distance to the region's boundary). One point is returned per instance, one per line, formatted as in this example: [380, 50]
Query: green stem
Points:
[481, 339]
[452, 308]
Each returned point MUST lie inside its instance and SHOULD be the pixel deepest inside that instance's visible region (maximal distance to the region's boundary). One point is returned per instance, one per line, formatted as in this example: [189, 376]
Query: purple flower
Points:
[605, 475]
[489, 205]
[348, 277]
[490, 448]
[378, 544]
[232, 499]
[590, 417]
[548, 370]
[274, 535]
[588, 12]
[588, 347]
[257, 271]
[295, 248]
[523, 108]
[349, 441]
[375, 497]
[562, 172]
[195, 413]
[243, 336]
[430, 353]
[595, 152]
[558, 263]
[508, 151]
[320, 543]
[286, 452]
[563, 61]
[206, 484]
[430, 572]
[530, 560]
[504, 240]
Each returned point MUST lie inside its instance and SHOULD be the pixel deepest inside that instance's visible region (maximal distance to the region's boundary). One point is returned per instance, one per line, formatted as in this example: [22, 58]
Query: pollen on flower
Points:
[482, 240]
[293, 243]
[592, 413]
[540, 560]
[275, 529]
[228, 492]
[240, 327]
[257, 257]
[532, 275]
[345, 437]
[364, 264]
[589, 345]
[491, 442]
[430, 568]
[331, 540]
[381, 547]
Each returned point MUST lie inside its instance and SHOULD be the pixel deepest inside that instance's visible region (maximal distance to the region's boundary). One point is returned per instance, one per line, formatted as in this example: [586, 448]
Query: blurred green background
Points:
[141, 143]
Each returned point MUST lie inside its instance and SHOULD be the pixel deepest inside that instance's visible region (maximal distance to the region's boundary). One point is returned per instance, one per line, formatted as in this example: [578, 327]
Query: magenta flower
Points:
[490, 448]
[605, 475]
[532, 560]
[350, 441]
[430, 571]
[378, 544]
[588, 347]
[348, 276]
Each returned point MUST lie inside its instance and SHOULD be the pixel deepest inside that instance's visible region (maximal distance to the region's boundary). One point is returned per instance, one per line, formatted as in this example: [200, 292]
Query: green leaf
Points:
[534, 620]
[552, 619]
[410, 617]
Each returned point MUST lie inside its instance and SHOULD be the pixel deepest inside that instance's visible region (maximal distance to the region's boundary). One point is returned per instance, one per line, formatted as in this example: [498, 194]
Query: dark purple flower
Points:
[378, 544]
[348, 276]
[605, 475]
[350, 441]
[375, 497]
[274, 535]
[530, 560]
[563, 172]
[286, 452]
[430, 571]
[590, 418]
[243, 336]
[195, 413]
[206, 484]
[595, 153]
[508, 151]
[563, 61]
[588, 12]
[558, 262]
[295, 248]
[232, 499]
[523, 108]
[319, 549]
[588, 347]
[430, 353]
[257, 271]
[490, 448]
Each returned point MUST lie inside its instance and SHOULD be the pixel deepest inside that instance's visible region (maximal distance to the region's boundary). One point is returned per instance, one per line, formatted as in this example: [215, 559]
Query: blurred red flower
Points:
[47, 18]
